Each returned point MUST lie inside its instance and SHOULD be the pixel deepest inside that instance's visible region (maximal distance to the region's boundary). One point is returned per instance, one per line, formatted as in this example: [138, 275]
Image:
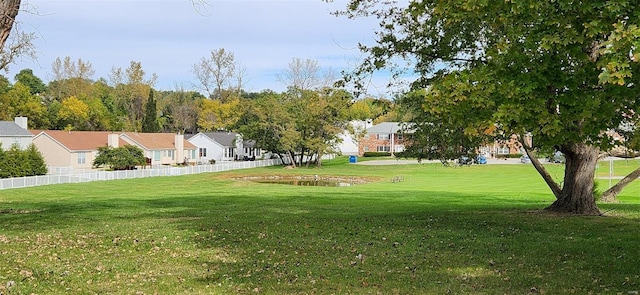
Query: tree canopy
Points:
[558, 70]
[121, 158]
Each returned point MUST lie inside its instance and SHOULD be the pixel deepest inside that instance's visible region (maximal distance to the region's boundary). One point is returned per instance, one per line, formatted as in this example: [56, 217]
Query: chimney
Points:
[113, 140]
[179, 144]
[22, 122]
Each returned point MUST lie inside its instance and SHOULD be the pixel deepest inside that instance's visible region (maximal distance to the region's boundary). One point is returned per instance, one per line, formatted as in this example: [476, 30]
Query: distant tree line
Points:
[301, 123]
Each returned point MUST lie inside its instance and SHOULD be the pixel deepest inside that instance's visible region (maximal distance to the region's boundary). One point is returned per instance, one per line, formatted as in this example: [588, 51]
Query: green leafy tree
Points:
[557, 70]
[35, 161]
[35, 84]
[320, 117]
[120, 158]
[267, 120]
[15, 162]
[18, 101]
[4, 172]
[150, 120]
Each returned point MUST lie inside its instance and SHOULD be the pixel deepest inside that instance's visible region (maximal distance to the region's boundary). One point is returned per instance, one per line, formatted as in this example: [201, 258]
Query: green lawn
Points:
[469, 230]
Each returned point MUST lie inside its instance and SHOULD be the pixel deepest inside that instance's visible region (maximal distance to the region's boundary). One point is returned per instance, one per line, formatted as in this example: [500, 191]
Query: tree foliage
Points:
[558, 70]
[15, 162]
[150, 121]
[121, 158]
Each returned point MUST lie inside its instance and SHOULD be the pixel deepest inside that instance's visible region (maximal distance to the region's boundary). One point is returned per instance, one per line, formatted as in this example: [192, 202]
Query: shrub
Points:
[120, 158]
[19, 163]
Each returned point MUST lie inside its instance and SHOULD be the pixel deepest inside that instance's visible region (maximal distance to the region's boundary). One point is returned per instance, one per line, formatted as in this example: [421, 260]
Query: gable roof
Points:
[157, 141]
[10, 128]
[77, 140]
[388, 127]
[223, 138]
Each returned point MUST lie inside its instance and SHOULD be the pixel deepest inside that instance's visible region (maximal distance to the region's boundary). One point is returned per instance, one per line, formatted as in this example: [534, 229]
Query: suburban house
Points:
[388, 137]
[504, 148]
[74, 149]
[249, 151]
[15, 132]
[163, 148]
[348, 144]
[223, 146]
[384, 137]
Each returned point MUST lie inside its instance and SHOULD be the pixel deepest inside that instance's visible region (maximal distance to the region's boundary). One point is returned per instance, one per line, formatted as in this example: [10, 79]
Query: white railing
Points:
[95, 175]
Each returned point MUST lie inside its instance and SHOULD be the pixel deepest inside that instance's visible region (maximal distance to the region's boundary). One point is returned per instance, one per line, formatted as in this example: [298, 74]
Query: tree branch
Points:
[553, 185]
[611, 193]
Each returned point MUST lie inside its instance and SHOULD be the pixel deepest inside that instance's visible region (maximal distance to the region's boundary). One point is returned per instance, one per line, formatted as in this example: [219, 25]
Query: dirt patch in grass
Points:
[347, 179]
[19, 211]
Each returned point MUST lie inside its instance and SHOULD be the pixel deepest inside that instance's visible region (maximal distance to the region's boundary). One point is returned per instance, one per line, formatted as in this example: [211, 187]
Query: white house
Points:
[349, 144]
[223, 146]
[218, 146]
[15, 132]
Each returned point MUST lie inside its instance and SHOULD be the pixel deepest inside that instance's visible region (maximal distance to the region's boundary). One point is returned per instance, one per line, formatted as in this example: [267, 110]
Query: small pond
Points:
[307, 181]
[304, 182]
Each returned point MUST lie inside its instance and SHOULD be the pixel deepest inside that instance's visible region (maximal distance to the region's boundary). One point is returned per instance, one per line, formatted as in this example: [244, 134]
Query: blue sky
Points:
[169, 36]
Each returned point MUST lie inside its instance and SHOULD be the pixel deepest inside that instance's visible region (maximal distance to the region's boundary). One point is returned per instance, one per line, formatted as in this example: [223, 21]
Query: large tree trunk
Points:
[611, 194]
[577, 190]
[8, 11]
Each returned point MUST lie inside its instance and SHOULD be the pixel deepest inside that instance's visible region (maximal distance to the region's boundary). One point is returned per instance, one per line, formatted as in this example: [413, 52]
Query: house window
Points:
[399, 136]
[384, 148]
[193, 154]
[228, 153]
[156, 155]
[82, 158]
[366, 149]
[502, 150]
[383, 136]
[202, 152]
[171, 154]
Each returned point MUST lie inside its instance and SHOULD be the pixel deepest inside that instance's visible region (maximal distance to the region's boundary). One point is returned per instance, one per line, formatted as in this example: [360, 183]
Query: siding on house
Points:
[223, 146]
[218, 146]
[163, 148]
[15, 133]
[76, 149]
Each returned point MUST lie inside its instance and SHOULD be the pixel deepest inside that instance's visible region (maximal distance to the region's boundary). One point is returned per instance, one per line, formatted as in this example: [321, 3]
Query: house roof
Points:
[387, 127]
[223, 138]
[157, 141]
[77, 140]
[10, 128]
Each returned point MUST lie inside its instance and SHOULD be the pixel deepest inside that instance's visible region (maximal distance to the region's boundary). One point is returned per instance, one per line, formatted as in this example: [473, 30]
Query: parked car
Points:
[464, 160]
[525, 159]
[557, 157]
[480, 159]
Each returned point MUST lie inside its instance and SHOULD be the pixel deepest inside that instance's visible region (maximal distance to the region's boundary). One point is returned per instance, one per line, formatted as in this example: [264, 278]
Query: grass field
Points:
[468, 230]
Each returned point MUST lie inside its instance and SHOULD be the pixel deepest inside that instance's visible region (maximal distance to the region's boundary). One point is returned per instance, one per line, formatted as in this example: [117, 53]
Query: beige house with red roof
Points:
[163, 148]
[78, 149]
[75, 149]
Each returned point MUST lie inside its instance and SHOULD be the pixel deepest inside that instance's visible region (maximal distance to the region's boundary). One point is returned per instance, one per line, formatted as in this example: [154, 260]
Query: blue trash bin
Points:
[353, 159]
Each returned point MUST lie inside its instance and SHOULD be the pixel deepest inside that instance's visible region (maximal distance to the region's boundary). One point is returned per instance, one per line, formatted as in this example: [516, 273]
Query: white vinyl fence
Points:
[87, 176]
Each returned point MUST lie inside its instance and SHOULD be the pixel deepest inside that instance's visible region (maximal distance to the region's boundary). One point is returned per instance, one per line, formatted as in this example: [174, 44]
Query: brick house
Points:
[389, 137]
[383, 137]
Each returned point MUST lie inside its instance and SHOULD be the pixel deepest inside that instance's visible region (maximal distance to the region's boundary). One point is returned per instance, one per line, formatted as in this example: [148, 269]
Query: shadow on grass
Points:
[381, 242]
